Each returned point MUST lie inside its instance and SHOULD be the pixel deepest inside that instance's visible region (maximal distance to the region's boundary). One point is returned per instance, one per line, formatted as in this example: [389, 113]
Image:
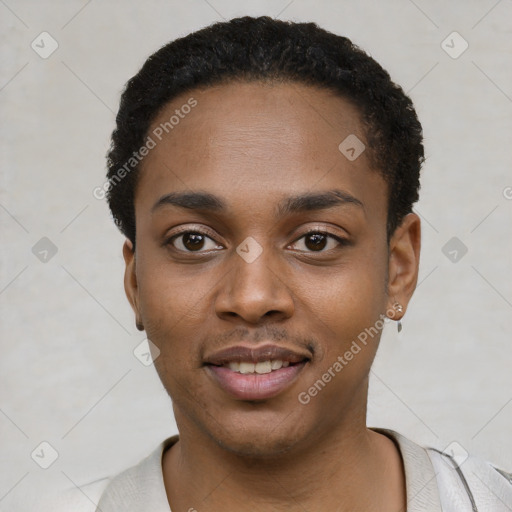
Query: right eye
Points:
[191, 241]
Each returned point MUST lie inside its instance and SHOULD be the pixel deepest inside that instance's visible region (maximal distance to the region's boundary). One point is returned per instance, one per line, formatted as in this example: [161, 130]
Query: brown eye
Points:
[317, 241]
[192, 241]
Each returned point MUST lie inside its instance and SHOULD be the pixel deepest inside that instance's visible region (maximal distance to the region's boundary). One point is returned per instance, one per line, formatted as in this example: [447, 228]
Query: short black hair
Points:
[266, 49]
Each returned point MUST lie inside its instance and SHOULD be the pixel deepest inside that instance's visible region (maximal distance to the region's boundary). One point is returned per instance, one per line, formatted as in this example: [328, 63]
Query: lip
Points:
[255, 386]
[252, 354]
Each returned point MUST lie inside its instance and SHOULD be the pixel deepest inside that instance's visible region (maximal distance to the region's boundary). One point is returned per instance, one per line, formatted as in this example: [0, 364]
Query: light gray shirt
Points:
[435, 482]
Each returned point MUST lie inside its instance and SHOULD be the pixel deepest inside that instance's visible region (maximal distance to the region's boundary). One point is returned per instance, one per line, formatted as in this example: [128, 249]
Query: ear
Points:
[404, 259]
[130, 281]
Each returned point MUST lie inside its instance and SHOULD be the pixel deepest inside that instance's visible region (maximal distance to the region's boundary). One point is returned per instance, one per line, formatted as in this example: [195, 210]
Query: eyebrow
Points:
[310, 201]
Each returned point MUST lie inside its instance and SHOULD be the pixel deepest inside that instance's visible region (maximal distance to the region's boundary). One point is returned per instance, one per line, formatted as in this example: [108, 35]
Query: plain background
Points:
[69, 376]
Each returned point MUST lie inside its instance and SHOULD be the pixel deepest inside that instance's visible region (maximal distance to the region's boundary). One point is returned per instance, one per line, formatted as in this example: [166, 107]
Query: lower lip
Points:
[255, 386]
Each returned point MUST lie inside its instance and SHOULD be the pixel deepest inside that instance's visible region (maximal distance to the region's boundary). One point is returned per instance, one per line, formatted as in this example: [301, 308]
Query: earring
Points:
[398, 308]
[139, 325]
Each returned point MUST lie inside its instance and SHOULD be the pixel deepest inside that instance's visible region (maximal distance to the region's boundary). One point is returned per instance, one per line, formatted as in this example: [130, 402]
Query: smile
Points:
[255, 372]
[260, 368]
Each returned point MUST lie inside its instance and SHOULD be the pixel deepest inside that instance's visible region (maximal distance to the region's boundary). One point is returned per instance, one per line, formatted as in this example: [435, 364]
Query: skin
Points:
[253, 145]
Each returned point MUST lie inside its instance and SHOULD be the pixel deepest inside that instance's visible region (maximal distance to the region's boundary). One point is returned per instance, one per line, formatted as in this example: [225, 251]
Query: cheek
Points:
[348, 321]
[350, 295]
[173, 299]
[346, 312]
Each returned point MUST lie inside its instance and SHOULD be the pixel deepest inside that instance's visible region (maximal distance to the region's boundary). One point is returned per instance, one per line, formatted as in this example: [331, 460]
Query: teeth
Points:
[234, 366]
[260, 368]
[247, 367]
[263, 367]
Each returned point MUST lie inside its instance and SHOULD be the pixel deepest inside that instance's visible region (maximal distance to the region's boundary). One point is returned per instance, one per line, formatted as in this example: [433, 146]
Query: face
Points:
[280, 240]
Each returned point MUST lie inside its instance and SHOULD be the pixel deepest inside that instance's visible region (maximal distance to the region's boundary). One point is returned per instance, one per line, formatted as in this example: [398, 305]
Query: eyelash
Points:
[170, 240]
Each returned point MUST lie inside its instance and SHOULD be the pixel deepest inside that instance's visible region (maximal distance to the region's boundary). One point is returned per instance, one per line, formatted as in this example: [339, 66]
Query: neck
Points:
[349, 468]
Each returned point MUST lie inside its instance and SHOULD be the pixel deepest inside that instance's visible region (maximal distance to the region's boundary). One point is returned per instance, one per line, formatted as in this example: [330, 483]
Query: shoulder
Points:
[451, 480]
[486, 486]
[76, 499]
[139, 487]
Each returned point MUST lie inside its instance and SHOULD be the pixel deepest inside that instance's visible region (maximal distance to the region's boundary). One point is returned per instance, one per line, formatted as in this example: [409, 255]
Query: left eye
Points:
[317, 241]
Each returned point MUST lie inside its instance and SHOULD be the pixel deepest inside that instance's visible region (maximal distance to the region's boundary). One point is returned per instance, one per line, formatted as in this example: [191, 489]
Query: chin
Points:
[245, 429]
[261, 439]
[253, 447]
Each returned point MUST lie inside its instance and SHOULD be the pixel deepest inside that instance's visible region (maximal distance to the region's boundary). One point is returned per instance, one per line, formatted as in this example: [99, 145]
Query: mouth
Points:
[261, 373]
[260, 368]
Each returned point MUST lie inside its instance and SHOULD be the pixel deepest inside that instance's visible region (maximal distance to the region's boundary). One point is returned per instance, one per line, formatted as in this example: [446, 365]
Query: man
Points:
[264, 173]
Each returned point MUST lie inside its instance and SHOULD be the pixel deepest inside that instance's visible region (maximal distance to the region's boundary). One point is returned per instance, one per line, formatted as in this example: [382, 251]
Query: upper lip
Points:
[242, 353]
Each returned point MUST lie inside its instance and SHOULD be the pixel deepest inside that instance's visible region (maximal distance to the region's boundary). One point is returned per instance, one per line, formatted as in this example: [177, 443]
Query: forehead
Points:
[256, 140]
[256, 118]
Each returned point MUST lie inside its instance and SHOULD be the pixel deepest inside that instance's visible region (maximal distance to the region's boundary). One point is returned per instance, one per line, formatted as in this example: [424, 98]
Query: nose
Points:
[254, 291]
